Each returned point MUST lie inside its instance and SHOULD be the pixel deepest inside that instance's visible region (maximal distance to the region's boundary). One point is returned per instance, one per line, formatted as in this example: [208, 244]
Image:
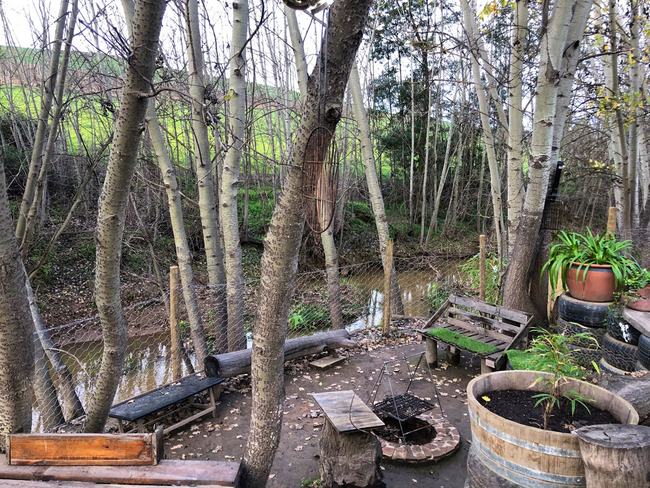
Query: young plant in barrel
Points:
[551, 354]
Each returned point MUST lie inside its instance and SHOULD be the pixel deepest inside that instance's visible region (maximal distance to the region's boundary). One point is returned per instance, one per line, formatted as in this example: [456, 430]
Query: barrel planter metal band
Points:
[528, 456]
[521, 475]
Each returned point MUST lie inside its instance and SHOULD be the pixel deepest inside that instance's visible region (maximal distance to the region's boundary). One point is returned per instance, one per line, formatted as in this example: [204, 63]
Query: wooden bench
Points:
[135, 409]
[85, 460]
[475, 319]
[349, 453]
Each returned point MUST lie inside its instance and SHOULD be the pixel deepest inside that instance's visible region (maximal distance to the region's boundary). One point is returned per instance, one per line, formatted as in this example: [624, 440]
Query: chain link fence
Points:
[68, 356]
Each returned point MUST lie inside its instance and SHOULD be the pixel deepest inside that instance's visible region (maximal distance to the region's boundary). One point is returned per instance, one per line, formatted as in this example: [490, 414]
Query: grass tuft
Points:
[462, 341]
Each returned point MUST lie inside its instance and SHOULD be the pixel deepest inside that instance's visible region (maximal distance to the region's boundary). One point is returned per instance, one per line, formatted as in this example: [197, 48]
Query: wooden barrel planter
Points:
[507, 454]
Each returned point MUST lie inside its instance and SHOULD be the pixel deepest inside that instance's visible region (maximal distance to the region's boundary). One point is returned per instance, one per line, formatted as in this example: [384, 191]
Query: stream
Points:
[148, 364]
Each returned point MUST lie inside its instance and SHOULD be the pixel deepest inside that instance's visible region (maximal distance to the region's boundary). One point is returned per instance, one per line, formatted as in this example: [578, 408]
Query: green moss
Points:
[463, 342]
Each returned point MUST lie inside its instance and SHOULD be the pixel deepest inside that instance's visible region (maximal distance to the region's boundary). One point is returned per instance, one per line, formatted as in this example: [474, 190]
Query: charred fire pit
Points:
[431, 438]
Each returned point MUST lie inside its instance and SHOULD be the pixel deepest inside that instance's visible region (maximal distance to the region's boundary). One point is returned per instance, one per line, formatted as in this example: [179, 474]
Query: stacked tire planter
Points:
[620, 345]
[578, 316]
[643, 354]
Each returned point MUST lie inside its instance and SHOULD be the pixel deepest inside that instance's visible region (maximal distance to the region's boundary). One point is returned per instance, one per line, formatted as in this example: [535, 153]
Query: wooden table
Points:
[346, 411]
[349, 453]
[137, 408]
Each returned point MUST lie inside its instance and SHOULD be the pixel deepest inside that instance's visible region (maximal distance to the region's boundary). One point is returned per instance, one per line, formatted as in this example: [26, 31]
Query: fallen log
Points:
[239, 362]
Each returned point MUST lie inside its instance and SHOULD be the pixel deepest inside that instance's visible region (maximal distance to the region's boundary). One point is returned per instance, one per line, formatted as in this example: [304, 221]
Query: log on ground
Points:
[239, 362]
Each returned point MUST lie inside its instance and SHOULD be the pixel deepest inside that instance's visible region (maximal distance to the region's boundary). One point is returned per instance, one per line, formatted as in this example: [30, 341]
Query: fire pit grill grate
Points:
[403, 407]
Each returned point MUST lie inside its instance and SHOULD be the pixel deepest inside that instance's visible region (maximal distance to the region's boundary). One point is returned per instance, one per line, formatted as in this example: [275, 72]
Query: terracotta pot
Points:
[507, 454]
[599, 285]
[640, 300]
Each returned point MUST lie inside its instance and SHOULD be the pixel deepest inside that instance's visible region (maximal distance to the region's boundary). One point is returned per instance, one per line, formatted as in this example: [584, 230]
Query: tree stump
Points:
[349, 459]
[616, 456]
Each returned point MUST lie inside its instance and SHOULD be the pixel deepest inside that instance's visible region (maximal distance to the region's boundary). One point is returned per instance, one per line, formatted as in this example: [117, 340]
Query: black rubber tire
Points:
[605, 367]
[589, 314]
[644, 351]
[570, 329]
[640, 367]
[585, 357]
[620, 329]
[619, 354]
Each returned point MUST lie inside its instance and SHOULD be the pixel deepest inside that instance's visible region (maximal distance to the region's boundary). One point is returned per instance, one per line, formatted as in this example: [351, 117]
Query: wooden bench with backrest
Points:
[481, 321]
[117, 459]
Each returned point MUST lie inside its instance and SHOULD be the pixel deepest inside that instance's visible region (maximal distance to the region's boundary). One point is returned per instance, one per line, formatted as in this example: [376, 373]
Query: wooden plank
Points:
[346, 411]
[495, 324]
[189, 419]
[78, 484]
[492, 333]
[167, 472]
[436, 315]
[139, 406]
[327, 362]
[83, 449]
[506, 313]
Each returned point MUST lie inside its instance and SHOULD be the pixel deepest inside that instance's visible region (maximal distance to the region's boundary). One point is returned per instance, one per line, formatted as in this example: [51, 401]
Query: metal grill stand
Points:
[404, 406]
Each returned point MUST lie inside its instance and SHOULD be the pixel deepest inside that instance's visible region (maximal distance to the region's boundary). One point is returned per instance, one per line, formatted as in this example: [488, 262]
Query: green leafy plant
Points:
[492, 276]
[587, 250]
[637, 277]
[550, 353]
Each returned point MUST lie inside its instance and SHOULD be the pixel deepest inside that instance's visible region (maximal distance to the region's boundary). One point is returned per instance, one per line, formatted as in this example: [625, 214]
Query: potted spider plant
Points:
[637, 283]
[591, 267]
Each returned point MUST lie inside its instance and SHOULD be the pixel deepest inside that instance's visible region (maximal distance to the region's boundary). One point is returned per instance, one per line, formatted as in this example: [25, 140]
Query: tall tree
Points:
[134, 99]
[561, 39]
[16, 347]
[347, 19]
[230, 177]
[47, 98]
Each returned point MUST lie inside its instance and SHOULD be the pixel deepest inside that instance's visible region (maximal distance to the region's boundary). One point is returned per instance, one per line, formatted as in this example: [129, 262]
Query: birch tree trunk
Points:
[71, 403]
[282, 244]
[516, 117]
[230, 178]
[553, 46]
[122, 160]
[635, 113]
[618, 129]
[203, 163]
[426, 171]
[16, 347]
[49, 86]
[433, 223]
[46, 157]
[327, 237]
[374, 189]
[488, 137]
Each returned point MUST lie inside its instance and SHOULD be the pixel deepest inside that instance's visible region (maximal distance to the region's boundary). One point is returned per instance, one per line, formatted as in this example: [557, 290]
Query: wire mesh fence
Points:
[68, 356]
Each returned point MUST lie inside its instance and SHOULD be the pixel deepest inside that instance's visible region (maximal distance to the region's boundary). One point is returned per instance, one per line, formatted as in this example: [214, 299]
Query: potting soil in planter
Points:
[519, 406]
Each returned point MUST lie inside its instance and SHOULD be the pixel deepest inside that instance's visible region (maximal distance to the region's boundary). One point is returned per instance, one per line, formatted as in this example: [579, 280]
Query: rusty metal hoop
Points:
[320, 179]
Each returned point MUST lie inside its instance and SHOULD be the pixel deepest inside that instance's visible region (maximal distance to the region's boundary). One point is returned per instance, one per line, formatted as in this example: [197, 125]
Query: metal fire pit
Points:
[403, 407]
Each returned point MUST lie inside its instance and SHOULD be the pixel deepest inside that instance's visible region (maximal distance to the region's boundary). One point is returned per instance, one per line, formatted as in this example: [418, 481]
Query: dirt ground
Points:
[224, 438]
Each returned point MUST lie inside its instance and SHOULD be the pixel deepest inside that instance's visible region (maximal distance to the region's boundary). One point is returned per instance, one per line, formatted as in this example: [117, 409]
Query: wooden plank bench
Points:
[484, 322]
[135, 409]
[166, 473]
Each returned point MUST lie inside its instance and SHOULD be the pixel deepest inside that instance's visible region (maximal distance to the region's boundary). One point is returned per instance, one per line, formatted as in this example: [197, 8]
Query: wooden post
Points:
[615, 456]
[481, 292]
[611, 220]
[388, 268]
[174, 305]
[432, 353]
